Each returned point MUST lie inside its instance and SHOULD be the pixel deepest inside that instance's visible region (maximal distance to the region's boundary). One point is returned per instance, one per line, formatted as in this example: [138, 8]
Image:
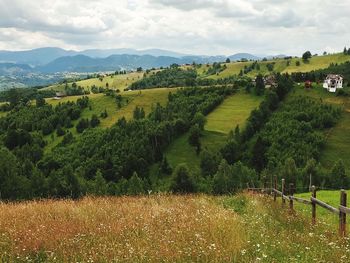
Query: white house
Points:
[333, 82]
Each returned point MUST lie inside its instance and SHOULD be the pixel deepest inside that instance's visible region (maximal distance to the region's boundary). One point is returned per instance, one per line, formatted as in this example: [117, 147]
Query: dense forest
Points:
[100, 161]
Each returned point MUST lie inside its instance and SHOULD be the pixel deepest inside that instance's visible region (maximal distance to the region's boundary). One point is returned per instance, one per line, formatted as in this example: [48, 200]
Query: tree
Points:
[297, 63]
[345, 52]
[165, 166]
[230, 151]
[46, 127]
[221, 178]
[99, 184]
[68, 138]
[40, 101]
[290, 171]
[82, 125]
[60, 131]
[14, 97]
[94, 122]
[259, 150]
[259, 85]
[307, 55]
[8, 170]
[139, 113]
[38, 184]
[228, 60]
[209, 162]
[135, 185]
[199, 119]
[338, 177]
[68, 122]
[74, 185]
[194, 136]
[104, 114]
[183, 181]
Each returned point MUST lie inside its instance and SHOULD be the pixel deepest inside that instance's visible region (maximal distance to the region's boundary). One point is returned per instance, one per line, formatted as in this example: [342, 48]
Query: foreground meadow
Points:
[164, 228]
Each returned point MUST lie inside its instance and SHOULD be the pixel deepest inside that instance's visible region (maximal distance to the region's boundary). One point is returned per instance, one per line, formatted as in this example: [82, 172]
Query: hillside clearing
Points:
[233, 111]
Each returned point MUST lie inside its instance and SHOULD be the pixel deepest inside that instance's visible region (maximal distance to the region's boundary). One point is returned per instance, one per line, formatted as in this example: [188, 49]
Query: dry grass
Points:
[165, 228]
[128, 229]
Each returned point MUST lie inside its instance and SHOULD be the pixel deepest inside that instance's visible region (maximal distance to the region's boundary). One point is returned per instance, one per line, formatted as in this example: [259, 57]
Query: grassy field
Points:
[233, 111]
[163, 228]
[280, 65]
[114, 82]
[323, 216]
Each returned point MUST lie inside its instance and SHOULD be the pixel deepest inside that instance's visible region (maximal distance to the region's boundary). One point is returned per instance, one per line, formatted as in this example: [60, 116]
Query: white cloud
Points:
[191, 26]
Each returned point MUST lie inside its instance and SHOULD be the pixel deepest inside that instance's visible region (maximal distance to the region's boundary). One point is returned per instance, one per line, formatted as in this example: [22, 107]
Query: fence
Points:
[342, 210]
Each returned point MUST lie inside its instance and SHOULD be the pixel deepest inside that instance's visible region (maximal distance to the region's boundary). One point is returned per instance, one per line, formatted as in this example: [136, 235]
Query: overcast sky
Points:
[191, 26]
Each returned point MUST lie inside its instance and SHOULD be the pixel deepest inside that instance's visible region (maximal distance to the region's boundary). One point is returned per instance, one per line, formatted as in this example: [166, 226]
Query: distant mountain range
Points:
[48, 61]
[51, 59]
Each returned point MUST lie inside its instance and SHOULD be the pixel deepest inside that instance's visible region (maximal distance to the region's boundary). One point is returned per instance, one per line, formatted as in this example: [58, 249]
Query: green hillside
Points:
[233, 111]
[120, 82]
[100, 102]
[338, 138]
[281, 65]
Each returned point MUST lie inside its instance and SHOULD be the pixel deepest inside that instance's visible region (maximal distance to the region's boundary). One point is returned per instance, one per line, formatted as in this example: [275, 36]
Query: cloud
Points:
[190, 26]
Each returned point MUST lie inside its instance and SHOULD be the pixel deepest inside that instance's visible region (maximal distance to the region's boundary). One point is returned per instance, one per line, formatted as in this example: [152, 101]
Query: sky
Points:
[206, 27]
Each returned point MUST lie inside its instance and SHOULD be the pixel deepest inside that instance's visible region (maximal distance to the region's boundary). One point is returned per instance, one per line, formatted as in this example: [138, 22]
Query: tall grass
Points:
[127, 229]
[165, 228]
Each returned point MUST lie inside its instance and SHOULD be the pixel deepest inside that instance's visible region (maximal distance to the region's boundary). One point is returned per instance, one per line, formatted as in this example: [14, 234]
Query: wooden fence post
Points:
[275, 187]
[342, 215]
[283, 191]
[313, 190]
[291, 193]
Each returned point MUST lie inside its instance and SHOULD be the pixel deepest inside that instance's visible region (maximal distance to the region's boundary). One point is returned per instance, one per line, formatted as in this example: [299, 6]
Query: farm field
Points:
[166, 228]
[233, 111]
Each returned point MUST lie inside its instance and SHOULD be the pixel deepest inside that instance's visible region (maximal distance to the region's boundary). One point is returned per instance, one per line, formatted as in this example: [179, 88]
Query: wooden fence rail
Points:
[342, 210]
